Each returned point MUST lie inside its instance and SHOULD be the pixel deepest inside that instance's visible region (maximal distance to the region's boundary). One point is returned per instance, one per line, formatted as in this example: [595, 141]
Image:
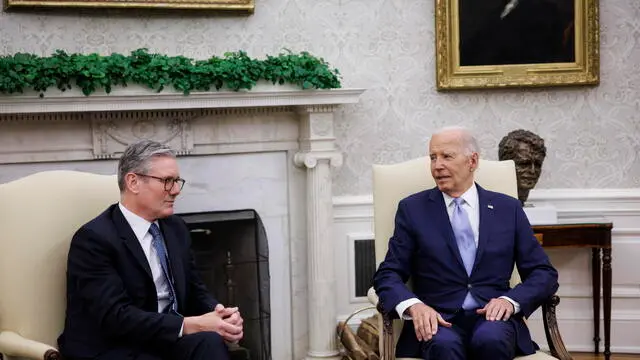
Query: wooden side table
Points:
[597, 236]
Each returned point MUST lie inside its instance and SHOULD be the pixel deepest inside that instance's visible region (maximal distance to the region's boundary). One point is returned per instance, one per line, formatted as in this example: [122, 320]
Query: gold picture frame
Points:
[488, 57]
[245, 6]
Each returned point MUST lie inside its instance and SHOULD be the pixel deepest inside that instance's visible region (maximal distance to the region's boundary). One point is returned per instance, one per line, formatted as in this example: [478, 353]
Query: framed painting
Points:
[231, 5]
[516, 43]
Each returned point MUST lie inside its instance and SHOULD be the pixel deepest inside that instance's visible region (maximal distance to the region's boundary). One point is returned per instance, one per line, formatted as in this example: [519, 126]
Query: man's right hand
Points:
[425, 321]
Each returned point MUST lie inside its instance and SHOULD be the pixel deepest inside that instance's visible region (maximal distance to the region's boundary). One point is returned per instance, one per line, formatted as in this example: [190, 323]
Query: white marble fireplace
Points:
[270, 150]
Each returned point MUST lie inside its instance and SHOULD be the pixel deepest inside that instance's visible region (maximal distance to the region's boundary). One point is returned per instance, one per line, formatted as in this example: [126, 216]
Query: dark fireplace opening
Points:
[231, 254]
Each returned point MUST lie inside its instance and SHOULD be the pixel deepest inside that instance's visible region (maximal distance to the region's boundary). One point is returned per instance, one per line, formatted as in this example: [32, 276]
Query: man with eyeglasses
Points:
[132, 288]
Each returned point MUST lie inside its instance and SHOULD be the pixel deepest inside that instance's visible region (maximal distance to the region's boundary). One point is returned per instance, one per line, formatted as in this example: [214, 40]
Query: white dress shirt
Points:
[140, 227]
[471, 205]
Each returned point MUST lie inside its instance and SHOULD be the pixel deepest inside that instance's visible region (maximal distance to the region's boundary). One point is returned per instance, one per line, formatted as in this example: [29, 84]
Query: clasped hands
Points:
[426, 320]
[225, 321]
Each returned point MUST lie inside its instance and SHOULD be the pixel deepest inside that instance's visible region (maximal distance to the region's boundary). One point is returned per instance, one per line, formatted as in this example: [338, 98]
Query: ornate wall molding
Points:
[310, 160]
[317, 108]
[56, 117]
[112, 133]
[248, 111]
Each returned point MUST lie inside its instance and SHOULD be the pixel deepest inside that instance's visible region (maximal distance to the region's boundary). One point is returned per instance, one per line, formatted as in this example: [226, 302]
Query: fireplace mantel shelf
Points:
[147, 100]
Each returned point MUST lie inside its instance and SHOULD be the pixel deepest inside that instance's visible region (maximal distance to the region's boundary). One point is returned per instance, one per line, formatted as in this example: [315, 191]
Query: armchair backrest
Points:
[38, 216]
[392, 183]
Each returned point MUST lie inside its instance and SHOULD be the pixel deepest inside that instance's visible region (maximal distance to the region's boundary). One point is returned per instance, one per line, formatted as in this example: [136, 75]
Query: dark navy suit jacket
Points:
[423, 248]
[111, 298]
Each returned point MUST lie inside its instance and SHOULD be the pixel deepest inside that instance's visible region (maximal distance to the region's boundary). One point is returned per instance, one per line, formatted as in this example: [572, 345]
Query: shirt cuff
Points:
[404, 305]
[181, 328]
[516, 306]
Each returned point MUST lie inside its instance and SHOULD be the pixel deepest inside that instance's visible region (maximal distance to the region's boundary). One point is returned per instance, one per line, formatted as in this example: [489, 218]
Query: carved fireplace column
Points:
[318, 155]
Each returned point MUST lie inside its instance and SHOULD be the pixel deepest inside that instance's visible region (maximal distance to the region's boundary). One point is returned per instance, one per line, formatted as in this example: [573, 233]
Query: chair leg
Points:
[389, 351]
[554, 339]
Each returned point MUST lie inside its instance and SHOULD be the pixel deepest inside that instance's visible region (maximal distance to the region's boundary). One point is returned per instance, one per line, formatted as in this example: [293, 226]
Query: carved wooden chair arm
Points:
[388, 348]
[554, 339]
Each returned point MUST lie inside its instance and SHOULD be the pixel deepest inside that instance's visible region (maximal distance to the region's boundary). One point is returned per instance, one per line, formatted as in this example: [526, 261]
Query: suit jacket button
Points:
[469, 286]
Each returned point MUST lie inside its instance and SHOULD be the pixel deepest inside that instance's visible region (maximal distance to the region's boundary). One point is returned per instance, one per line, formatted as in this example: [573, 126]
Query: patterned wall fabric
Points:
[387, 47]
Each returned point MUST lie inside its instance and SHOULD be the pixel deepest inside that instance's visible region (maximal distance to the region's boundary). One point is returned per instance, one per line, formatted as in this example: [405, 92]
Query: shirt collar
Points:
[470, 197]
[139, 225]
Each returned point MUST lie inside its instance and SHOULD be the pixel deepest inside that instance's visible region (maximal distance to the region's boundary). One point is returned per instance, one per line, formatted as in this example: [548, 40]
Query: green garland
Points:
[234, 71]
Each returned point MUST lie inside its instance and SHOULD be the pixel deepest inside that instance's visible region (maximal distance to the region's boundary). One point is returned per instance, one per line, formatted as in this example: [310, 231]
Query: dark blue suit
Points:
[112, 304]
[423, 248]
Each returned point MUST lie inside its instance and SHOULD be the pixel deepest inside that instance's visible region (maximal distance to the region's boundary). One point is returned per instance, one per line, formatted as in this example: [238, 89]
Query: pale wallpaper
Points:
[386, 46]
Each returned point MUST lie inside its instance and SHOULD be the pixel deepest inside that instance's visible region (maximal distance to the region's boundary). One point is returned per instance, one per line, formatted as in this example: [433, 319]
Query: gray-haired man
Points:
[132, 289]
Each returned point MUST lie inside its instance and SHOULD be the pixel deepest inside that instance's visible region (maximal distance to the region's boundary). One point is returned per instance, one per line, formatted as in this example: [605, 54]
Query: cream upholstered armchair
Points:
[38, 216]
[392, 183]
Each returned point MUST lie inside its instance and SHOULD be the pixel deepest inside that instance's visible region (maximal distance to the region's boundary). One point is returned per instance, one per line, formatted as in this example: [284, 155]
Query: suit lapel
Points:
[486, 221]
[174, 248]
[130, 240]
[439, 209]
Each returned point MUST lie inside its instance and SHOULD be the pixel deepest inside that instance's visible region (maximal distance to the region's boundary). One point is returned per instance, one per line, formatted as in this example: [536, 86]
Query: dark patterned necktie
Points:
[161, 250]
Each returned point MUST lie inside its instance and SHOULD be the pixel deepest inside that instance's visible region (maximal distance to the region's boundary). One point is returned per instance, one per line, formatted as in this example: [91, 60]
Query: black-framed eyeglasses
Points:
[169, 182]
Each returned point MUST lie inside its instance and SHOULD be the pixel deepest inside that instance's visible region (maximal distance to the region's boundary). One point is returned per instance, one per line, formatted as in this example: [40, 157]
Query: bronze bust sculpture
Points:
[527, 150]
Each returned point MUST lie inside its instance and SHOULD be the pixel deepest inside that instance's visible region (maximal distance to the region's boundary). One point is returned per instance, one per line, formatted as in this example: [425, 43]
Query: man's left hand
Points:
[497, 309]
[229, 315]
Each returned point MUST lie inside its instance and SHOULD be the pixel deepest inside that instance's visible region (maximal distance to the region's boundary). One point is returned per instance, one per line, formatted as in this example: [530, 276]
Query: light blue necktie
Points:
[466, 245]
[158, 244]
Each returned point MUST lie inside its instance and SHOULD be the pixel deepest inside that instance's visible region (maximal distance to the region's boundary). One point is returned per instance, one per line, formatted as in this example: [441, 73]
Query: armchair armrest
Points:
[13, 344]
[551, 330]
[372, 296]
